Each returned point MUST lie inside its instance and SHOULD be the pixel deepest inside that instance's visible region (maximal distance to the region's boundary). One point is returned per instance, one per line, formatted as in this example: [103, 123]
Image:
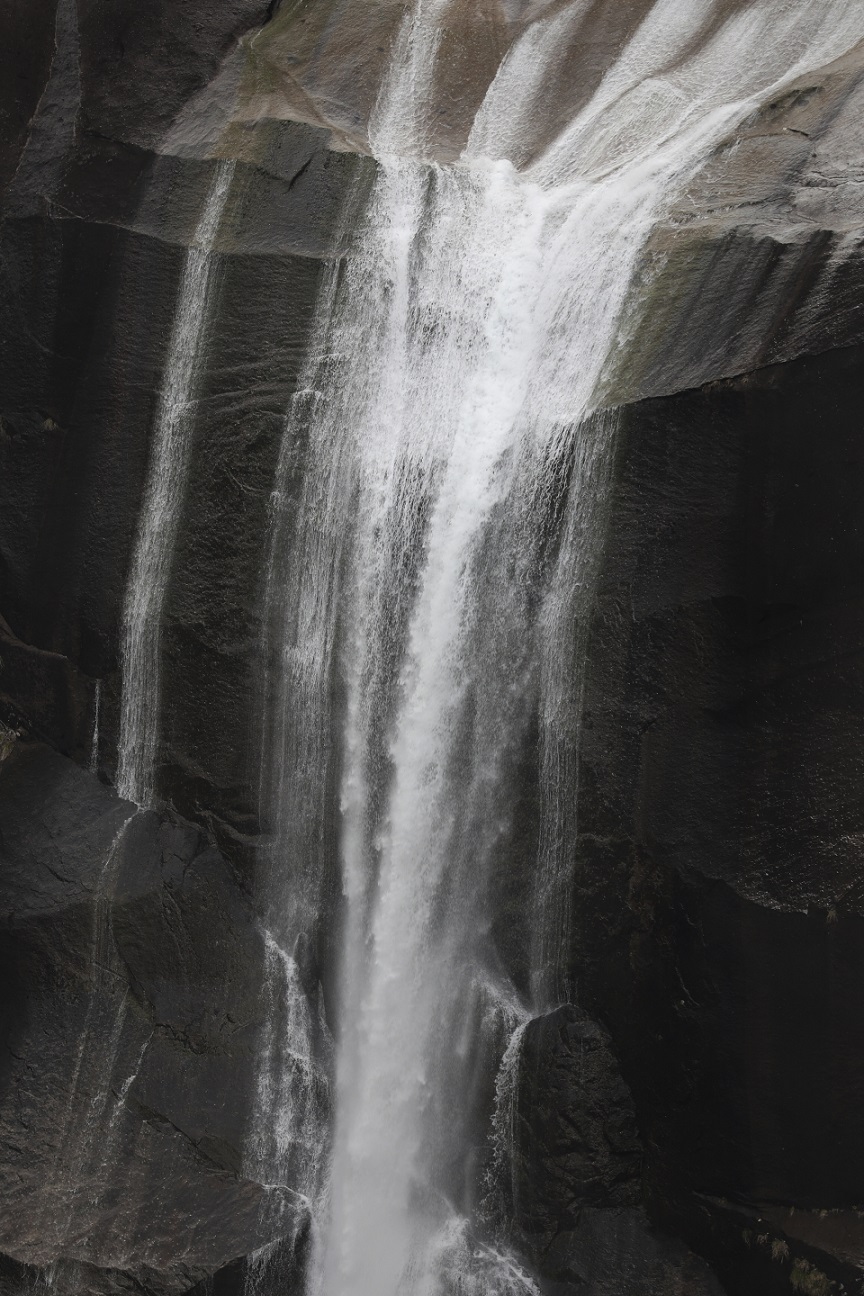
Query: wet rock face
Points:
[718, 893]
[139, 68]
[577, 1172]
[762, 255]
[132, 954]
[576, 1124]
[135, 69]
[87, 314]
[132, 965]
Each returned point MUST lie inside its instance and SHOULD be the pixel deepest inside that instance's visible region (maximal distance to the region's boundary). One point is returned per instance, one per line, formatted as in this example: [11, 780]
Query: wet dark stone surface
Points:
[576, 1127]
[576, 1178]
[86, 316]
[718, 899]
[131, 1018]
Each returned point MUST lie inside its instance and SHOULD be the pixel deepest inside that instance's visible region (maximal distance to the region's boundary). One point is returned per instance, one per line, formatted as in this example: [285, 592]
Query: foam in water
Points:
[164, 496]
[431, 594]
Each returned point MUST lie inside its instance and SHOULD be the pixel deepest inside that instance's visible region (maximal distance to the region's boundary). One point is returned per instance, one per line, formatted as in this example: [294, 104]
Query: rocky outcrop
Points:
[577, 1137]
[718, 893]
[133, 1010]
[577, 1170]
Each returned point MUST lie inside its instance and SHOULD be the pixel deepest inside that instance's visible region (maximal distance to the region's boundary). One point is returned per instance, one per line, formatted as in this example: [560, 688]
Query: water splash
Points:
[164, 495]
[502, 1198]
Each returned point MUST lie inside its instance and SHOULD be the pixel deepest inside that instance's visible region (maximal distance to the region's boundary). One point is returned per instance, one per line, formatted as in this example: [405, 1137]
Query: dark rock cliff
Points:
[719, 897]
[131, 953]
[718, 900]
[130, 957]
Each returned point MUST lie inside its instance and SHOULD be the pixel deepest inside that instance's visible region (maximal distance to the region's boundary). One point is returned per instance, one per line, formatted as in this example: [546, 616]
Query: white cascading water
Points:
[287, 1146]
[164, 496]
[430, 592]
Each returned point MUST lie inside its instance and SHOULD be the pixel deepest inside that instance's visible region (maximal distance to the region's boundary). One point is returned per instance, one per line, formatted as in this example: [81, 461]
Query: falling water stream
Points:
[431, 592]
[429, 597]
[164, 495]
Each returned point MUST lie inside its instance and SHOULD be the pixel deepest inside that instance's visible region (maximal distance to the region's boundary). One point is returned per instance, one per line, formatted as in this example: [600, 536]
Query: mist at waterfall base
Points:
[429, 591]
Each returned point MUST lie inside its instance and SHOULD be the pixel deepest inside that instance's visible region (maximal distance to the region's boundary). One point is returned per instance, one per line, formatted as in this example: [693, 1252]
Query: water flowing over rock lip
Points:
[777, 204]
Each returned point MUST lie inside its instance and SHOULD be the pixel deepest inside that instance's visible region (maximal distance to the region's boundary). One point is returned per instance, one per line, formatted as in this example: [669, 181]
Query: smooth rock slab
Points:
[132, 1011]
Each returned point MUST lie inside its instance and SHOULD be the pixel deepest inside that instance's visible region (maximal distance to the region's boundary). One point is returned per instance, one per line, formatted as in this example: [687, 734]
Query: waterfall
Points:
[430, 596]
[164, 495]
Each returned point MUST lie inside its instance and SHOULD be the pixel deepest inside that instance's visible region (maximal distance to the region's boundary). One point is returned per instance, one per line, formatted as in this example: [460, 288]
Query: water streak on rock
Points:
[163, 500]
[94, 742]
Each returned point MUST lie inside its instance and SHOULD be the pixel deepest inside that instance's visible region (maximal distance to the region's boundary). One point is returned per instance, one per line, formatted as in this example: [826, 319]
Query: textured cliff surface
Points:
[132, 955]
[718, 897]
[721, 918]
[131, 1020]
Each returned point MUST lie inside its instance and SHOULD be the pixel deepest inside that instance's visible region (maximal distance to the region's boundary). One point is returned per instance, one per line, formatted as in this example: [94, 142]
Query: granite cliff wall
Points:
[718, 885]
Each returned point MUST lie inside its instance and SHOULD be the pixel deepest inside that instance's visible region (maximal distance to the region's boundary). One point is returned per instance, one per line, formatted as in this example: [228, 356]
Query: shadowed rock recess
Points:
[691, 1121]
